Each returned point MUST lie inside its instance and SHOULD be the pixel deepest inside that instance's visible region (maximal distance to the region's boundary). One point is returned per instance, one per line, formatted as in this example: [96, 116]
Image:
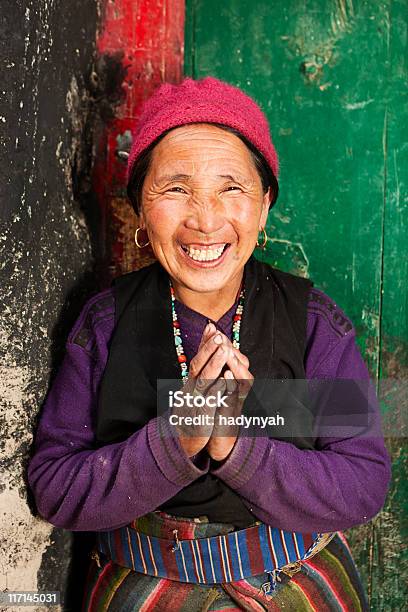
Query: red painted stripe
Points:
[145, 40]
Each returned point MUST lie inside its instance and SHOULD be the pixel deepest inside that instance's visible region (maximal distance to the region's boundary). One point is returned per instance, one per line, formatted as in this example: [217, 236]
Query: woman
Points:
[191, 515]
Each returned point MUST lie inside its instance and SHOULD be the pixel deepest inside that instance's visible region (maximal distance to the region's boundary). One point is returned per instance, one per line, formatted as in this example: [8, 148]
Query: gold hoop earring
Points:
[265, 239]
[141, 246]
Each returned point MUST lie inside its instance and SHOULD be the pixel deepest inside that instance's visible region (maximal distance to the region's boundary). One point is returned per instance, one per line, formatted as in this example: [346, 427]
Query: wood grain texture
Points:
[331, 77]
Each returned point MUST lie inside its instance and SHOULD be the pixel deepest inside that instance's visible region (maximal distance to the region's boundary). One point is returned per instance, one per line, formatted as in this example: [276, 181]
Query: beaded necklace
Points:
[182, 359]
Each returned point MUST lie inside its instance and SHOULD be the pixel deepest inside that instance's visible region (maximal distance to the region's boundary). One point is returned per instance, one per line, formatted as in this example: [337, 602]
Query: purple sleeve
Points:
[345, 481]
[77, 487]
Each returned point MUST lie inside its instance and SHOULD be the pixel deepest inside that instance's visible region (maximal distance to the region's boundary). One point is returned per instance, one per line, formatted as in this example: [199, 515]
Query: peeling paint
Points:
[286, 254]
[342, 16]
[125, 79]
[315, 37]
[47, 263]
[358, 105]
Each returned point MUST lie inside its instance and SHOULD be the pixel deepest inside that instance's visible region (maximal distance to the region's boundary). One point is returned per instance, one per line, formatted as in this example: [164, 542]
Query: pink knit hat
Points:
[204, 101]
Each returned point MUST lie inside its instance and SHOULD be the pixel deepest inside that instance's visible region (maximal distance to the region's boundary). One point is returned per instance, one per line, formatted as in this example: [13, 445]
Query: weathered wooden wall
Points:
[331, 76]
[47, 224]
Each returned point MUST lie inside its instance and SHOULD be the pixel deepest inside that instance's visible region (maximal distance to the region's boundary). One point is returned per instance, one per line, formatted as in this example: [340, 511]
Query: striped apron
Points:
[160, 562]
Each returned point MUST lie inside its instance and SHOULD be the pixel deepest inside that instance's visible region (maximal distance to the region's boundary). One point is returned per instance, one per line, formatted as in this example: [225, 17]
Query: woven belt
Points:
[218, 559]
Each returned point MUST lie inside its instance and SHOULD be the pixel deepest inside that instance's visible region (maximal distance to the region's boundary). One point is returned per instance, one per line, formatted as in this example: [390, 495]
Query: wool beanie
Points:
[206, 100]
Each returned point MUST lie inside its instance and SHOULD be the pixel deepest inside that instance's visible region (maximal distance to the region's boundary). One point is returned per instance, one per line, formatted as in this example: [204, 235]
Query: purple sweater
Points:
[80, 488]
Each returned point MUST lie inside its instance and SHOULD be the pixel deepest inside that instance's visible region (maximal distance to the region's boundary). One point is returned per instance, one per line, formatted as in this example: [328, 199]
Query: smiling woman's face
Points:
[202, 206]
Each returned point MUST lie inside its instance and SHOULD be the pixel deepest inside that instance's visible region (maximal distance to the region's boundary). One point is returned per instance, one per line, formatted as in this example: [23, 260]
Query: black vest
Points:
[273, 335]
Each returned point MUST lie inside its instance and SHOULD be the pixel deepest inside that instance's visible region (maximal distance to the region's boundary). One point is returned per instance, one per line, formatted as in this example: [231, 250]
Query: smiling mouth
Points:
[205, 253]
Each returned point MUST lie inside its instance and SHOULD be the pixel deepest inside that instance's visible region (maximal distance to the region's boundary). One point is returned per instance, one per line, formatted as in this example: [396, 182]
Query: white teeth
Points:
[204, 254]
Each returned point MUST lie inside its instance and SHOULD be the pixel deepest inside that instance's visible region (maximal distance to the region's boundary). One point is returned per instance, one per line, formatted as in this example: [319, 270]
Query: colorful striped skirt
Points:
[328, 581]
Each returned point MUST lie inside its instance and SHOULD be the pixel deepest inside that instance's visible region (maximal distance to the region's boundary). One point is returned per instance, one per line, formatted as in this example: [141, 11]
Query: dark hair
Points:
[142, 164]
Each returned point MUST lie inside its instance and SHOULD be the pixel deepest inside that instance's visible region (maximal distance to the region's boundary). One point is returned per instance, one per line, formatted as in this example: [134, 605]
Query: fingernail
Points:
[217, 339]
[228, 374]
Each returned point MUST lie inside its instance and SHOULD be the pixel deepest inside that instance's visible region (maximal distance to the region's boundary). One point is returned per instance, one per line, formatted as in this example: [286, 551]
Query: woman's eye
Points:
[176, 190]
[233, 188]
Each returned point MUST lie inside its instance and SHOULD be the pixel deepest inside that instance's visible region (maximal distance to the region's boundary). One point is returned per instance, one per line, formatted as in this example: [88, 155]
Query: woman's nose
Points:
[205, 214]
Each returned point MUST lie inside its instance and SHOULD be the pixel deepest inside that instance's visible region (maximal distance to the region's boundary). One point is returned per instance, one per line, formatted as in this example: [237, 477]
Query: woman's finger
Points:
[238, 369]
[243, 358]
[230, 383]
[213, 368]
[207, 383]
[209, 330]
[207, 350]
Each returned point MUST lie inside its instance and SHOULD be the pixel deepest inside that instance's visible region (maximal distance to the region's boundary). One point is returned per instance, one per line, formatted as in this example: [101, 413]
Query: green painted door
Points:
[331, 76]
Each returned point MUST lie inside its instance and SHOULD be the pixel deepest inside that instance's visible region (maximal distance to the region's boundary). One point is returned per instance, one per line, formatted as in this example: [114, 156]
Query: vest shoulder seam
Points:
[99, 309]
[323, 306]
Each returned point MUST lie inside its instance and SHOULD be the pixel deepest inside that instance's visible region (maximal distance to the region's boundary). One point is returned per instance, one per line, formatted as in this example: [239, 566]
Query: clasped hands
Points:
[218, 369]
